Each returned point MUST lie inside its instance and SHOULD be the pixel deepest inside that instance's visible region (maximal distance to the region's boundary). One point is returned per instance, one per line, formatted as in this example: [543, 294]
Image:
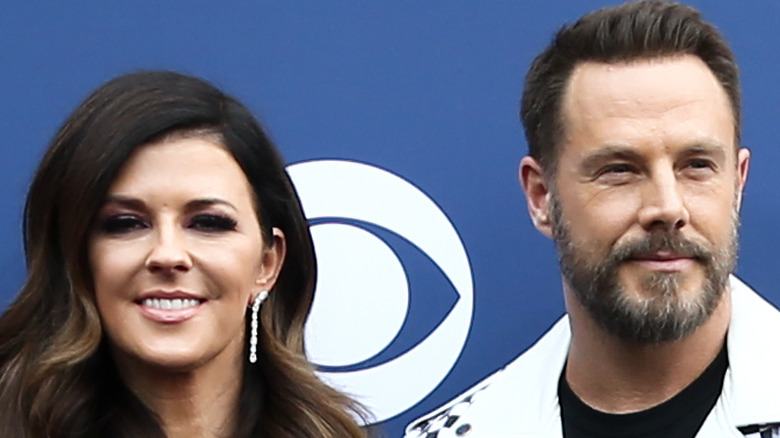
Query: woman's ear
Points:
[537, 194]
[272, 261]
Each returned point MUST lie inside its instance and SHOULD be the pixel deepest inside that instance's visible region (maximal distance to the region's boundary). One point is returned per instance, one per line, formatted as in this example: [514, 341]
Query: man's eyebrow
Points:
[715, 149]
[619, 152]
[614, 152]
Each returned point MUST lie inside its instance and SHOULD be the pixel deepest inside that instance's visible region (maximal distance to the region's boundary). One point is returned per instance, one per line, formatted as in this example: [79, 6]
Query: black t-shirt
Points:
[680, 416]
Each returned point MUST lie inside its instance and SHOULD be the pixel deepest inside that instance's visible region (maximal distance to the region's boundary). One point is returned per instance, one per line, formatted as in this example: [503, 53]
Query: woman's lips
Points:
[169, 307]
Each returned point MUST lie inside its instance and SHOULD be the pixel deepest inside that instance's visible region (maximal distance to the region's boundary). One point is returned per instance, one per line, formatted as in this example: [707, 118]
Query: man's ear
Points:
[537, 194]
[743, 164]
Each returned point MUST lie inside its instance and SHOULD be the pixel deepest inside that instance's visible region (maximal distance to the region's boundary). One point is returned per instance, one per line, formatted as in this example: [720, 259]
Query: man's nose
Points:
[663, 202]
[169, 251]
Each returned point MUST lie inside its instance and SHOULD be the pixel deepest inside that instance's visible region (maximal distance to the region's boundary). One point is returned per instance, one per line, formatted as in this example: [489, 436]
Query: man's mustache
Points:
[654, 243]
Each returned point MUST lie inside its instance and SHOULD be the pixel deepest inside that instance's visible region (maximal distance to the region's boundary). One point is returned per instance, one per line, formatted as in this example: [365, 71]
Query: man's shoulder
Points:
[746, 301]
[753, 382]
[755, 322]
[521, 398]
[447, 420]
[494, 406]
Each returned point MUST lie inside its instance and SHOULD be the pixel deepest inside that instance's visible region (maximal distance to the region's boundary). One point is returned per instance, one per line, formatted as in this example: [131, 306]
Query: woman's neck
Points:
[202, 402]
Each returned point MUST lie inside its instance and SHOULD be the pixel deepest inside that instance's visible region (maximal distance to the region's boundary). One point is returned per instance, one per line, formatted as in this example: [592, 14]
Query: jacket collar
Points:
[753, 383]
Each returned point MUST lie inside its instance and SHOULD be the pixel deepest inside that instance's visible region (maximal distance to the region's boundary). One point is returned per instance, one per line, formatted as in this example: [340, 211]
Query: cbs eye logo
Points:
[394, 296]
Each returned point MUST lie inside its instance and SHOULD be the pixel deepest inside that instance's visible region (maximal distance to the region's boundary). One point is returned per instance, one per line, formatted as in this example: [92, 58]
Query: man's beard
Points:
[664, 315]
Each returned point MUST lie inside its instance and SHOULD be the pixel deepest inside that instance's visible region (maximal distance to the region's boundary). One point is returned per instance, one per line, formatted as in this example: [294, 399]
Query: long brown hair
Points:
[56, 376]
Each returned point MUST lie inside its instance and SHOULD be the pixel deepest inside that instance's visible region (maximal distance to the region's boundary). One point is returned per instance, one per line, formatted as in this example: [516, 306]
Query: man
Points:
[632, 116]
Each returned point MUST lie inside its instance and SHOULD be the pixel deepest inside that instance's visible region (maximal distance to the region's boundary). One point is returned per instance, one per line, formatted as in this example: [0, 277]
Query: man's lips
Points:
[664, 260]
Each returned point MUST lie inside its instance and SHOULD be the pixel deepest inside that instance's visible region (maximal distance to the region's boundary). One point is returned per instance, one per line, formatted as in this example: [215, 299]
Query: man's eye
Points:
[616, 174]
[120, 224]
[212, 223]
[700, 164]
[617, 168]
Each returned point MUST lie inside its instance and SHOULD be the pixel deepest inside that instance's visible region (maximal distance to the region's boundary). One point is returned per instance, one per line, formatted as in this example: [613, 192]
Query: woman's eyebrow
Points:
[208, 202]
[126, 201]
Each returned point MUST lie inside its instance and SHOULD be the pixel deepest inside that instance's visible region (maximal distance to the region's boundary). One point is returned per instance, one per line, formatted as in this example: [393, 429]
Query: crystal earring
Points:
[253, 337]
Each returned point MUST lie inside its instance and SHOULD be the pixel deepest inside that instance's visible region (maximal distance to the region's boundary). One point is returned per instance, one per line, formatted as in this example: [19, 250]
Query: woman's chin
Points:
[164, 360]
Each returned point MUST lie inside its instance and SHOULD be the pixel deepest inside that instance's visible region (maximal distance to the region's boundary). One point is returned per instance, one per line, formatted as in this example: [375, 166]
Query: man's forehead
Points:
[644, 95]
[640, 82]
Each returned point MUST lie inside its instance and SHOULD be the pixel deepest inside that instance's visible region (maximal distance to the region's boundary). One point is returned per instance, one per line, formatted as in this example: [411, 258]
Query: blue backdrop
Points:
[406, 112]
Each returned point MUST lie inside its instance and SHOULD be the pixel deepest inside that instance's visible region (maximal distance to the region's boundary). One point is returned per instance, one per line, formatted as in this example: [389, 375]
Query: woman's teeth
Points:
[170, 303]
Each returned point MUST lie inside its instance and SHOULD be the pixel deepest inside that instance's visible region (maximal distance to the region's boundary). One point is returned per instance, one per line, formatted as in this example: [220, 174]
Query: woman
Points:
[158, 221]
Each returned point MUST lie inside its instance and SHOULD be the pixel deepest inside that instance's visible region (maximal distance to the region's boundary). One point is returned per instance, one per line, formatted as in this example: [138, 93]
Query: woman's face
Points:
[177, 255]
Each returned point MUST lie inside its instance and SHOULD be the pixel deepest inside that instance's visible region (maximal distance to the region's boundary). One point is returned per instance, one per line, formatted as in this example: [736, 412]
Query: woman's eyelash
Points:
[122, 223]
[213, 222]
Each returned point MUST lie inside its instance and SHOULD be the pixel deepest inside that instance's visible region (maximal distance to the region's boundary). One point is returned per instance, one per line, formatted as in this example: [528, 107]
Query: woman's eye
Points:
[122, 224]
[212, 223]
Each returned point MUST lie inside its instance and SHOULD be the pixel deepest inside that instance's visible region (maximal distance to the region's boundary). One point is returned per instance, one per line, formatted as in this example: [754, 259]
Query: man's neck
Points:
[617, 376]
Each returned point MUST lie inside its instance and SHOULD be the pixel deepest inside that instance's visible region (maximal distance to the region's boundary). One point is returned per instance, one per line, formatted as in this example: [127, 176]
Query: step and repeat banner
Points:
[399, 123]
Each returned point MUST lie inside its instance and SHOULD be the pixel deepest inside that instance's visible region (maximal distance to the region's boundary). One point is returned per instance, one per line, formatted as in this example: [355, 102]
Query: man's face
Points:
[644, 203]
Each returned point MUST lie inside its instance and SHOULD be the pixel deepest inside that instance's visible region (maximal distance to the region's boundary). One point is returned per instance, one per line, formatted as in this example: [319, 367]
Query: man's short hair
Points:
[632, 31]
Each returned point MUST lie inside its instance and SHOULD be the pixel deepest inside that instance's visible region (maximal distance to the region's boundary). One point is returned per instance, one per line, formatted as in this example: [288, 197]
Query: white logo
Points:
[362, 302]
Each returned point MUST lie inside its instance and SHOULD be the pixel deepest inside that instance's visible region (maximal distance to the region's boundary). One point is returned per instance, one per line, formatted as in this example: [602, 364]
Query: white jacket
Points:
[521, 400]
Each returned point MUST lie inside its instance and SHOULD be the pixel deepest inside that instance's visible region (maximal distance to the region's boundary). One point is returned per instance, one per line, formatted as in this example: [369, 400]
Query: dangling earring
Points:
[253, 337]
